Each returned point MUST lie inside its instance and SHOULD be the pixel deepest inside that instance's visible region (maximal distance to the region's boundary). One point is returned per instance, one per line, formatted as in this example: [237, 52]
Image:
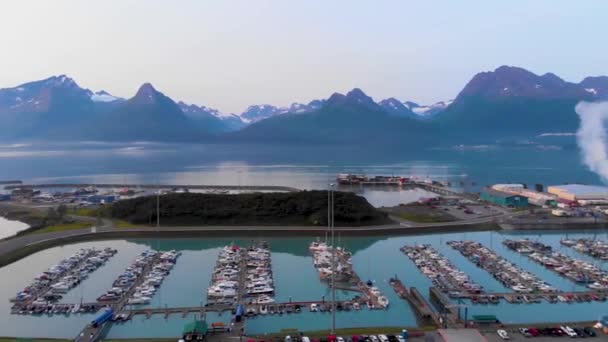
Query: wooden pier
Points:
[451, 312]
[420, 306]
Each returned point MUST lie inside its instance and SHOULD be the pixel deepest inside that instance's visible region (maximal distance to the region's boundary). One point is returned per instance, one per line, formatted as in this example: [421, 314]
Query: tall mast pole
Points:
[333, 265]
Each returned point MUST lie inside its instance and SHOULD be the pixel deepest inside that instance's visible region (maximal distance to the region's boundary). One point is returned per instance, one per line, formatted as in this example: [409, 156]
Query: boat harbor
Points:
[140, 281]
[444, 274]
[597, 249]
[579, 271]
[506, 272]
[345, 277]
[48, 287]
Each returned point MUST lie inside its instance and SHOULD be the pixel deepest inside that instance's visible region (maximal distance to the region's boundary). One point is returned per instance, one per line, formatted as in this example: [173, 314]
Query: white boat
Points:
[60, 287]
[264, 299]
[260, 290]
[356, 306]
[76, 308]
[383, 301]
[597, 286]
[139, 300]
[263, 310]
[521, 289]
[314, 307]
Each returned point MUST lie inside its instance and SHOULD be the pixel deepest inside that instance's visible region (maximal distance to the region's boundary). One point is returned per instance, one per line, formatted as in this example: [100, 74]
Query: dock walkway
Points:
[416, 301]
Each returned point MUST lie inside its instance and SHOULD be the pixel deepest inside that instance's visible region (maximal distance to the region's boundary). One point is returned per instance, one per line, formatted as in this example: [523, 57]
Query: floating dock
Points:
[506, 272]
[346, 278]
[577, 270]
[597, 249]
[446, 276]
[420, 306]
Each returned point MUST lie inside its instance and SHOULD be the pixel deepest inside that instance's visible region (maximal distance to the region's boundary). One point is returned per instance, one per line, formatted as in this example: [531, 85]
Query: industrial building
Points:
[504, 198]
[580, 192]
[534, 197]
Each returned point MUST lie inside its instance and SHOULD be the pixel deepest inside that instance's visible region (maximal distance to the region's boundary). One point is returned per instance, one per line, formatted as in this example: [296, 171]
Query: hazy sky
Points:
[230, 54]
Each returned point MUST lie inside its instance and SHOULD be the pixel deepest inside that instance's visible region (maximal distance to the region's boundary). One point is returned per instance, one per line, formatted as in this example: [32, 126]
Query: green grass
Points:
[91, 212]
[420, 218]
[126, 224]
[63, 227]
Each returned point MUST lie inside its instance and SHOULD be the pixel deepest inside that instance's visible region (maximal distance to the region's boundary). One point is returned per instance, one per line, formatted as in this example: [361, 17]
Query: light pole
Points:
[333, 260]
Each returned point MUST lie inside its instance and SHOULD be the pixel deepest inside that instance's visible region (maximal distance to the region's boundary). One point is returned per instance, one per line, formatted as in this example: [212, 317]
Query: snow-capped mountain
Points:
[257, 113]
[104, 96]
[427, 111]
[222, 121]
[396, 108]
[38, 96]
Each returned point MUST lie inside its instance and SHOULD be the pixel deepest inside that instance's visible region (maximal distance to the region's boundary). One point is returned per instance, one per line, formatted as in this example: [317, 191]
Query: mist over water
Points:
[591, 136]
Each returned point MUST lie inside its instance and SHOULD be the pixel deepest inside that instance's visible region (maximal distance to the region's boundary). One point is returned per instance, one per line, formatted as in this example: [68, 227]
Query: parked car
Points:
[568, 331]
[525, 332]
[503, 334]
[374, 338]
[383, 338]
[589, 331]
[534, 331]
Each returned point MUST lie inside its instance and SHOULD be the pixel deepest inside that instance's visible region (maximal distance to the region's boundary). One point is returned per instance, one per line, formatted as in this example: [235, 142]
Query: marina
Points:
[445, 275]
[578, 271]
[49, 286]
[597, 249]
[138, 283]
[227, 279]
[345, 277]
[302, 297]
[259, 282]
[501, 269]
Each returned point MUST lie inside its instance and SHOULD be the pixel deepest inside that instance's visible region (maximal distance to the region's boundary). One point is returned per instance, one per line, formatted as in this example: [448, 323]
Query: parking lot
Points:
[515, 335]
[468, 212]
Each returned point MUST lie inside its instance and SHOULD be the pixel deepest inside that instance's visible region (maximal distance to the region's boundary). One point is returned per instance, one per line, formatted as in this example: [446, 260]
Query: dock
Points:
[449, 312]
[446, 276]
[346, 278]
[579, 271]
[597, 249]
[423, 310]
[504, 271]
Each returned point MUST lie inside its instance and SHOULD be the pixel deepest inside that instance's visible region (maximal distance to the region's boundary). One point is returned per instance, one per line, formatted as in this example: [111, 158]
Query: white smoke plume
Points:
[591, 136]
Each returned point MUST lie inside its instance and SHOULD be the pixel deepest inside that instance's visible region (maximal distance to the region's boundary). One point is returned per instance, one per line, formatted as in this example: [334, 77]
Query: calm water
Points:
[377, 259]
[10, 228]
[300, 166]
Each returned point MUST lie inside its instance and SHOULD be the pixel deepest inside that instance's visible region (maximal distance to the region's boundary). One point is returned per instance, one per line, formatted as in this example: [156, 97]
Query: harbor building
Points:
[534, 197]
[504, 198]
[580, 192]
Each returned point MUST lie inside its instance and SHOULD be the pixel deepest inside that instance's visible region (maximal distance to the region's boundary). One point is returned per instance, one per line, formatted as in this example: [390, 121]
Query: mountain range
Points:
[509, 102]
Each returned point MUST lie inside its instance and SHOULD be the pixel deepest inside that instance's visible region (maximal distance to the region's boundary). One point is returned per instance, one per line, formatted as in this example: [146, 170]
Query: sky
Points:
[229, 54]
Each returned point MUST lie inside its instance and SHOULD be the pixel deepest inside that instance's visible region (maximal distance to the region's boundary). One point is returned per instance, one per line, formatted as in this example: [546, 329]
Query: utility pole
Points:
[333, 262]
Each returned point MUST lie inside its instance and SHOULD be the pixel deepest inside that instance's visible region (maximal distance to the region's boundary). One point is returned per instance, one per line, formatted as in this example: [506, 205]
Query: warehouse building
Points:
[504, 198]
[534, 197]
[579, 192]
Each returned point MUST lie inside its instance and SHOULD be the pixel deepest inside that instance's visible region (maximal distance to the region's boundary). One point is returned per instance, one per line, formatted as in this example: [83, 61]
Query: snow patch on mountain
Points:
[591, 91]
[103, 96]
[427, 110]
